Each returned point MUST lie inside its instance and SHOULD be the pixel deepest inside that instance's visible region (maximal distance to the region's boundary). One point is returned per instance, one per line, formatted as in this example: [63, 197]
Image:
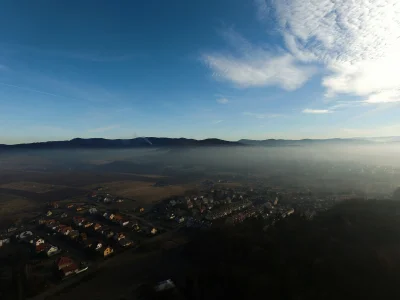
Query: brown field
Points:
[12, 204]
[228, 185]
[144, 192]
[31, 186]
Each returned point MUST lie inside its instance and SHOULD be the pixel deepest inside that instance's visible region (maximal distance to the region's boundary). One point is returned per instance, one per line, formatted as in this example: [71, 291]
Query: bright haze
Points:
[226, 69]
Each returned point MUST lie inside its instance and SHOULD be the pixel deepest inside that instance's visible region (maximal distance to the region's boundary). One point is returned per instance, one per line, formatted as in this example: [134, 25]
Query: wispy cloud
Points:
[103, 129]
[222, 100]
[30, 90]
[356, 41]
[262, 9]
[217, 121]
[251, 66]
[316, 111]
[262, 116]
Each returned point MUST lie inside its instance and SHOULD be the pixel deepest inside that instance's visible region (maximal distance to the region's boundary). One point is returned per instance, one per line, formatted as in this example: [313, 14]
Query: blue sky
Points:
[228, 69]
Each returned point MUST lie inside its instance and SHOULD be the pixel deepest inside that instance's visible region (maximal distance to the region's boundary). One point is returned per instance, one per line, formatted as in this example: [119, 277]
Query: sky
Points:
[226, 69]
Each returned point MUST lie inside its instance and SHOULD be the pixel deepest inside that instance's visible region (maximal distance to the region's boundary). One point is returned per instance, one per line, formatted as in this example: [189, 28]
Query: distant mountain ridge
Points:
[147, 142]
[142, 142]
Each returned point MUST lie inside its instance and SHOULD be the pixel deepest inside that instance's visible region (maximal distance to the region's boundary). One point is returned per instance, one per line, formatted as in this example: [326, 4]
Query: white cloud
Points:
[251, 66]
[316, 111]
[389, 96]
[103, 129]
[264, 70]
[262, 116]
[357, 41]
[222, 101]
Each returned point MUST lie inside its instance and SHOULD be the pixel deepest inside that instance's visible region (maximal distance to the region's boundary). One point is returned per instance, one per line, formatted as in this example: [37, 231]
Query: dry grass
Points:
[144, 192]
[33, 187]
[10, 204]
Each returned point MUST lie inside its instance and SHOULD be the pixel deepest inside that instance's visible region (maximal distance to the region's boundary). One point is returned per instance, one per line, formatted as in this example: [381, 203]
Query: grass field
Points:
[144, 192]
[34, 187]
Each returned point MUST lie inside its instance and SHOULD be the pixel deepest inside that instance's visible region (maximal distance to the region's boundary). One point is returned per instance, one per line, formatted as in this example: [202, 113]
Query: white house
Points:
[93, 210]
[52, 250]
[39, 241]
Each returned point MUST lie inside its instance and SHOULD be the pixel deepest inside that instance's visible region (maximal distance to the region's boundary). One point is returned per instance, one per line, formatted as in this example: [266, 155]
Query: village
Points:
[75, 237]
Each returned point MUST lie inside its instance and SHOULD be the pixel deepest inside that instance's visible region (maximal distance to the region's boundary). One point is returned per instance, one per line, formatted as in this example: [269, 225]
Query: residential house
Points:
[97, 226]
[97, 246]
[124, 223]
[153, 231]
[63, 261]
[125, 242]
[70, 205]
[70, 270]
[40, 248]
[52, 250]
[4, 241]
[37, 241]
[108, 251]
[64, 215]
[73, 234]
[180, 219]
[117, 218]
[78, 221]
[49, 213]
[119, 236]
[80, 208]
[111, 217]
[66, 230]
[93, 210]
[88, 224]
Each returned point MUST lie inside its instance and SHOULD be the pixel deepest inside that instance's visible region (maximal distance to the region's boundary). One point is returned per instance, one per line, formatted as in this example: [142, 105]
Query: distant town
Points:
[74, 237]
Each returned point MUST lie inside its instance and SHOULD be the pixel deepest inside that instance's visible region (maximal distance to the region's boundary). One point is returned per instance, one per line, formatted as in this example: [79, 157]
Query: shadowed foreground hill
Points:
[350, 252]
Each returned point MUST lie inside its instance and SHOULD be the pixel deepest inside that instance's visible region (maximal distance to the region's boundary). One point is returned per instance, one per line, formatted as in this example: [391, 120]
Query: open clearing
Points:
[33, 187]
[11, 204]
[143, 192]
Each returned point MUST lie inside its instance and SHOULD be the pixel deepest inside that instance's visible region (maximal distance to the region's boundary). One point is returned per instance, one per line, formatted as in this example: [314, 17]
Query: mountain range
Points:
[146, 142]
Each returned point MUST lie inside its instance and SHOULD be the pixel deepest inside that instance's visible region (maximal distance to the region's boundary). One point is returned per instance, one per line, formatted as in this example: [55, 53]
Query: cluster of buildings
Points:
[128, 223]
[228, 209]
[38, 245]
[79, 237]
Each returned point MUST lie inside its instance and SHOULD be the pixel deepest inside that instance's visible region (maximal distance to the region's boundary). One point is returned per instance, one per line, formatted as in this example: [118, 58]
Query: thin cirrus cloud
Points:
[356, 41]
[316, 111]
[222, 100]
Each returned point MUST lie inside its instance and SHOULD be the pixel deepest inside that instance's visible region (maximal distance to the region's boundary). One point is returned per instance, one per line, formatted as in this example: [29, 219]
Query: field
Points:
[31, 186]
[143, 192]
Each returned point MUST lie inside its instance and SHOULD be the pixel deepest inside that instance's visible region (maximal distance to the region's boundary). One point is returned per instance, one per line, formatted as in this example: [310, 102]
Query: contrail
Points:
[30, 90]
